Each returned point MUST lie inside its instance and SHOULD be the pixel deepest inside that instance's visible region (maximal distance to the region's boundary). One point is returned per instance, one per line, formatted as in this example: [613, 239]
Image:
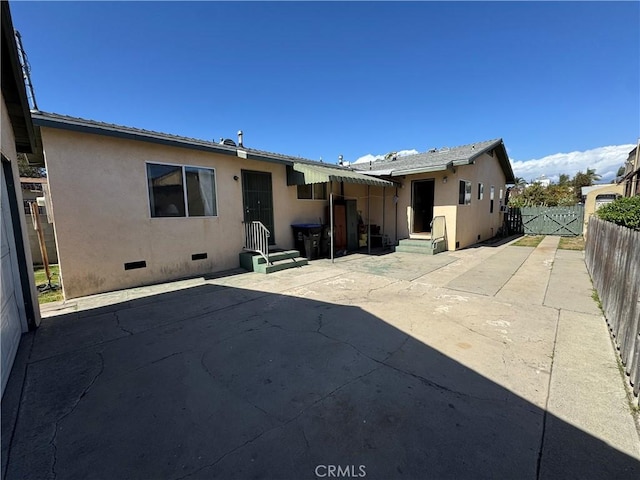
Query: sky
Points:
[559, 82]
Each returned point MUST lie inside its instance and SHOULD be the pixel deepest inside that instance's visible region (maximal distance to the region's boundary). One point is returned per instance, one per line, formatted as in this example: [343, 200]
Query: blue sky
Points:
[364, 78]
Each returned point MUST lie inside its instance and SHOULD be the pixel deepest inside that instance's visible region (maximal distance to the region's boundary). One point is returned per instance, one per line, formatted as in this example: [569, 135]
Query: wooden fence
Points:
[613, 259]
[563, 221]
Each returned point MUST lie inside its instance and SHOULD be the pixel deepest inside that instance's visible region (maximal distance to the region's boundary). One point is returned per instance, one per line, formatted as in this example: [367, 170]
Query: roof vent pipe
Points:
[240, 138]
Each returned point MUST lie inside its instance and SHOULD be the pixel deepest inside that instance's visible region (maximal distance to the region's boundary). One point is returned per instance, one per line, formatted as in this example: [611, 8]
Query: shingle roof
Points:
[438, 160]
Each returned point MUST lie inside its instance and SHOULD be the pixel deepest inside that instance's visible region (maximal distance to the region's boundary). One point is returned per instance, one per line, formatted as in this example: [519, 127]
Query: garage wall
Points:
[16, 289]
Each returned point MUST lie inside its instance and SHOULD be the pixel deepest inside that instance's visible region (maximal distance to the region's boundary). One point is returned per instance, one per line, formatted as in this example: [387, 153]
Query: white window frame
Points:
[183, 167]
[467, 195]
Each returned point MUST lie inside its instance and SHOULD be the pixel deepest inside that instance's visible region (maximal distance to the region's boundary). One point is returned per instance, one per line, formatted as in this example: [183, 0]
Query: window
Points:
[464, 193]
[480, 191]
[316, 191]
[168, 196]
[491, 195]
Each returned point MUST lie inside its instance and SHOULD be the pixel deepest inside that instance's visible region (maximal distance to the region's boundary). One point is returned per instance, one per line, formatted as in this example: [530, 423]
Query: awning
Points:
[305, 174]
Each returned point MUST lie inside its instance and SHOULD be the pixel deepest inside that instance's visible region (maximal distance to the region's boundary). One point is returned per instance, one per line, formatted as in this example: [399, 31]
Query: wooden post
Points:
[43, 248]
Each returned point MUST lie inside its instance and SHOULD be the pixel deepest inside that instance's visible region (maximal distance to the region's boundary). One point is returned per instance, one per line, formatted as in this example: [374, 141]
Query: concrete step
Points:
[283, 264]
[276, 256]
[411, 242]
[255, 262]
[420, 246]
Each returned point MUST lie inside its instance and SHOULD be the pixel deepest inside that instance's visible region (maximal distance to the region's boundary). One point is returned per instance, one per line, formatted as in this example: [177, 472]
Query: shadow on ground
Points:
[219, 382]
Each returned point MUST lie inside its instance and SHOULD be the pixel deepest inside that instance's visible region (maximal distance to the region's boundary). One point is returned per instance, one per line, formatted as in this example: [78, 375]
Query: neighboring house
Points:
[543, 181]
[466, 185]
[135, 207]
[631, 177]
[18, 296]
[32, 189]
[594, 196]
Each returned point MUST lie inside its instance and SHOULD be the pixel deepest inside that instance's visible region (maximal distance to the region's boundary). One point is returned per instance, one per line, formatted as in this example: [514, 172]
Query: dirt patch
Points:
[529, 241]
[571, 243]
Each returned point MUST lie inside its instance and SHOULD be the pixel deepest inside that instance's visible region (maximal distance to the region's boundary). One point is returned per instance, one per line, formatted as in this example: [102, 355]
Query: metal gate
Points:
[257, 199]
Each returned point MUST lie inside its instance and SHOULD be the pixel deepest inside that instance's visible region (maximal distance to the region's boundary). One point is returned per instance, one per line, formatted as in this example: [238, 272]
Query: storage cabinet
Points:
[345, 220]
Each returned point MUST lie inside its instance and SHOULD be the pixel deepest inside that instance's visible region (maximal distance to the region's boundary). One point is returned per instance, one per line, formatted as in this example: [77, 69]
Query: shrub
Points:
[623, 211]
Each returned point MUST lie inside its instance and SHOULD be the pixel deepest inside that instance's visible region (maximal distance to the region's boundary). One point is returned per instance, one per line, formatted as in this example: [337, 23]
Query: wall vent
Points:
[199, 256]
[134, 265]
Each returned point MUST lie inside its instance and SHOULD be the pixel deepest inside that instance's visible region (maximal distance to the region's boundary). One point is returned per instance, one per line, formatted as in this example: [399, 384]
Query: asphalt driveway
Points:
[492, 362]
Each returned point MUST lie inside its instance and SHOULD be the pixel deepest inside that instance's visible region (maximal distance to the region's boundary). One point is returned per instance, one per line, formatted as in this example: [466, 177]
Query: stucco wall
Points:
[99, 194]
[8, 148]
[590, 201]
[463, 222]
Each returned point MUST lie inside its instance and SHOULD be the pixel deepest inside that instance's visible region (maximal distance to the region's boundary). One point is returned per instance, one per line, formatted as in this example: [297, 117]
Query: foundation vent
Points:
[134, 265]
[199, 256]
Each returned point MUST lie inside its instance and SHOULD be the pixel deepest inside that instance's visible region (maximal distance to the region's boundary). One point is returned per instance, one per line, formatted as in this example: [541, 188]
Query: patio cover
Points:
[305, 174]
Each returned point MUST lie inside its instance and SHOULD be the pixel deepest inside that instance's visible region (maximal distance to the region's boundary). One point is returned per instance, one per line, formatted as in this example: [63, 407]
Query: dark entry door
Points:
[423, 191]
[257, 200]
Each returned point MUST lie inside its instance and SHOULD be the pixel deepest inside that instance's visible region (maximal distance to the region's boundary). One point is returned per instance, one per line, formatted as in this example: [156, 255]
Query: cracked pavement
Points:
[460, 365]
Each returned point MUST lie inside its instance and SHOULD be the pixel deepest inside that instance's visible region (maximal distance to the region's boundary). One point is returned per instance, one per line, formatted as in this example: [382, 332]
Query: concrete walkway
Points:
[490, 362]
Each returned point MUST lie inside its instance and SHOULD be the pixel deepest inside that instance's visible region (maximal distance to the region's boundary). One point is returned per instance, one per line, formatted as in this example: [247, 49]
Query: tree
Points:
[584, 180]
[26, 170]
[564, 179]
[620, 171]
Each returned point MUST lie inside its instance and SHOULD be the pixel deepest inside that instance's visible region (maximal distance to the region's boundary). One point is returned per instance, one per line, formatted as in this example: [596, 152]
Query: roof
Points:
[439, 160]
[13, 89]
[306, 173]
[314, 171]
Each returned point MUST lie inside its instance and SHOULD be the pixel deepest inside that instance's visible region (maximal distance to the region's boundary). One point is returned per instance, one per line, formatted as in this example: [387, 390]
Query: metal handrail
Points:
[256, 239]
[438, 230]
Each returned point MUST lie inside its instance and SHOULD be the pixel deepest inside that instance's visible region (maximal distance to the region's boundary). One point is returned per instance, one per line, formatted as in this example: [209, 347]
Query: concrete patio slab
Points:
[371, 364]
[491, 275]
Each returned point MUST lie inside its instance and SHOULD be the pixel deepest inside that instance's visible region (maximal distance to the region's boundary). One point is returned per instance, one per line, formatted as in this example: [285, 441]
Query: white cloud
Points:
[372, 158]
[605, 161]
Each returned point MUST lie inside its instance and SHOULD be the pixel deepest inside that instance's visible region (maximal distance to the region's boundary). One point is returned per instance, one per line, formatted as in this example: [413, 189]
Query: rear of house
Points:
[134, 207]
[466, 185]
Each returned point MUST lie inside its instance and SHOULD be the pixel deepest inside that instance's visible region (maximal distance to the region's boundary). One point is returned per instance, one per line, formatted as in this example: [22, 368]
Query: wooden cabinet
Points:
[340, 227]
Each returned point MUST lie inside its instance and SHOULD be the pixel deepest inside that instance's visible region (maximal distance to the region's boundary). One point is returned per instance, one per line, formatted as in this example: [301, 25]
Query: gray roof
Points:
[438, 160]
[65, 122]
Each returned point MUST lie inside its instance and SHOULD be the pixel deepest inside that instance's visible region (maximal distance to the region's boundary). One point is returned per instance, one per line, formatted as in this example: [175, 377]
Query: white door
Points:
[13, 318]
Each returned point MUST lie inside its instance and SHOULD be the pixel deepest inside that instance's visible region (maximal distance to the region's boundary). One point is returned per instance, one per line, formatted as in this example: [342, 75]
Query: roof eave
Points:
[414, 171]
[13, 88]
[42, 120]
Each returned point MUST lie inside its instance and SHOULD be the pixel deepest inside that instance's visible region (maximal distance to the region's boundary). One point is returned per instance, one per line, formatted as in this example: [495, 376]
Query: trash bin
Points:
[307, 239]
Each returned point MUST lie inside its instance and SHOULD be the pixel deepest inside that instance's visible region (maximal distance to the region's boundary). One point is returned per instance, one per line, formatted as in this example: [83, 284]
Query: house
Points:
[18, 296]
[595, 196]
[32, 190]
[543, 181]
[631, 177]
[135, 207]
[464, 185]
